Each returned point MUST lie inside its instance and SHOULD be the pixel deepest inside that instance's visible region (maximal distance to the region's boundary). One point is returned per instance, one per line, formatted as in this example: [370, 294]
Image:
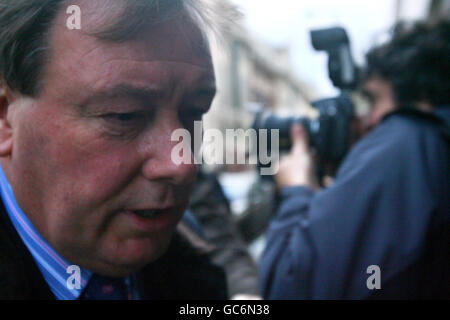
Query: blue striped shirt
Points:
[53, 267]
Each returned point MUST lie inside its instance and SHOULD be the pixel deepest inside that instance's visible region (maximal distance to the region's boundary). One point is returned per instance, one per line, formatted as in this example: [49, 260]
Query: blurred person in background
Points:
[382, 230]
[217, 228]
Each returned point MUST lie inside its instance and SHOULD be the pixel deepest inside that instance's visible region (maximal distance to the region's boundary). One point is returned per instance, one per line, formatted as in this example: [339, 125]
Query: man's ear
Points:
[6, 98]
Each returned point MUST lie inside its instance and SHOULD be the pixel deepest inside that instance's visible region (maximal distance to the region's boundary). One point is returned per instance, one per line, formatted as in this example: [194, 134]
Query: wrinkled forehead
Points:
[167, 33]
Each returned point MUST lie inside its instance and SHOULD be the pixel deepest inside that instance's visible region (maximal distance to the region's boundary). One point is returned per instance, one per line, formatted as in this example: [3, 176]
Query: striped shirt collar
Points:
[53, 267]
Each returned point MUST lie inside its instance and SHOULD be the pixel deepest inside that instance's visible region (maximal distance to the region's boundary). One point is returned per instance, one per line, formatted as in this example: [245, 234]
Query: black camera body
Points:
[330, 134]
[342, 70]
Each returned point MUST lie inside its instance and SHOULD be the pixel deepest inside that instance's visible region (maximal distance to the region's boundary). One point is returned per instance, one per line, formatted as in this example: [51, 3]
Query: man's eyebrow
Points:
[130, 90]
[146, 93]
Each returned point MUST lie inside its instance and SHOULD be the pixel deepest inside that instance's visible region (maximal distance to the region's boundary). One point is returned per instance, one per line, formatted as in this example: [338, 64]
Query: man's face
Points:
[92, 154]
[381, 99]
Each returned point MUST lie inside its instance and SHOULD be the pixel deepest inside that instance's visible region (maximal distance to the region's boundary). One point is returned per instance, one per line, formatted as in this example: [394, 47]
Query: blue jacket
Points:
[389, 207]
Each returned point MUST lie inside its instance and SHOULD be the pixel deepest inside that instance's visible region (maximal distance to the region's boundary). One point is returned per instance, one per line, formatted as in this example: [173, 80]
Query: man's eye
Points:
[124, 118]
[124, 123]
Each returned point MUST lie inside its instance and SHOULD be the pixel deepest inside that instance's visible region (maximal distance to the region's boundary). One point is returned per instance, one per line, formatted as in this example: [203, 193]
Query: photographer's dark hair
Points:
[416, 62]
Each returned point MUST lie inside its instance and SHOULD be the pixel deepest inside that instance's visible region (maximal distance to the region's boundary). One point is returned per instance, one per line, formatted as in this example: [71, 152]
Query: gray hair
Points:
[25, 26]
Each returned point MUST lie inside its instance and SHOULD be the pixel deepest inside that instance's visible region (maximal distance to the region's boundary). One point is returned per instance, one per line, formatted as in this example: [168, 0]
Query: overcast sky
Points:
[287, 23]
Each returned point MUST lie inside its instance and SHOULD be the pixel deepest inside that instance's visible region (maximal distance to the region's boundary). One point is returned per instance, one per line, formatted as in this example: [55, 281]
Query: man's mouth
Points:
[148, 214]
[153, 220]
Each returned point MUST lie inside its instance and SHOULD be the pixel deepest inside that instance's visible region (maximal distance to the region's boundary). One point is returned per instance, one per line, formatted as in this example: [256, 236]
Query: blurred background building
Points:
[253, 75]
[430, 10]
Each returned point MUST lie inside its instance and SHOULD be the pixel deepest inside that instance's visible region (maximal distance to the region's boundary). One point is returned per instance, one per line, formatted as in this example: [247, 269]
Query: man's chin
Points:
[138, 254]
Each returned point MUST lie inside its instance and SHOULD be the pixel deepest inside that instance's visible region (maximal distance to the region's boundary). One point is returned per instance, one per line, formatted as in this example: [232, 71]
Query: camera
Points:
[330, 134]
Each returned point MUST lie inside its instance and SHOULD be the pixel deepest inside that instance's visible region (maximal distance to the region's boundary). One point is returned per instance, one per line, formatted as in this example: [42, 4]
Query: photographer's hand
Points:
[296, 168]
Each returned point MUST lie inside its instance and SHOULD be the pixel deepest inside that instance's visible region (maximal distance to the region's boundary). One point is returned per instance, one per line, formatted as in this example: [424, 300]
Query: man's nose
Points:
[158, 164]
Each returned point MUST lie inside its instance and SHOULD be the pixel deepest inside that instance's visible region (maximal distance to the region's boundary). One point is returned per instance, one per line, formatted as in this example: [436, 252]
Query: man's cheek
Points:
[92, 165]
[96, 182]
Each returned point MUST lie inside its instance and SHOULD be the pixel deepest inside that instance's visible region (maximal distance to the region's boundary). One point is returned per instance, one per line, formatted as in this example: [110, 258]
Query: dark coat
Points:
[181, 273]
[389, 207]
[211, 208]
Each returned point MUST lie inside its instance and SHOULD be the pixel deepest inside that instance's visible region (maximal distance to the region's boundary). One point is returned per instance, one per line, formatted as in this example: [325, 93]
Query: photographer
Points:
[382, 230]
[90, 196]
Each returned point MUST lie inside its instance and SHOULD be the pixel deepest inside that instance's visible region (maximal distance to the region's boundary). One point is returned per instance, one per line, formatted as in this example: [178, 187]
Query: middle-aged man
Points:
[87, 182]
[382, 230]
